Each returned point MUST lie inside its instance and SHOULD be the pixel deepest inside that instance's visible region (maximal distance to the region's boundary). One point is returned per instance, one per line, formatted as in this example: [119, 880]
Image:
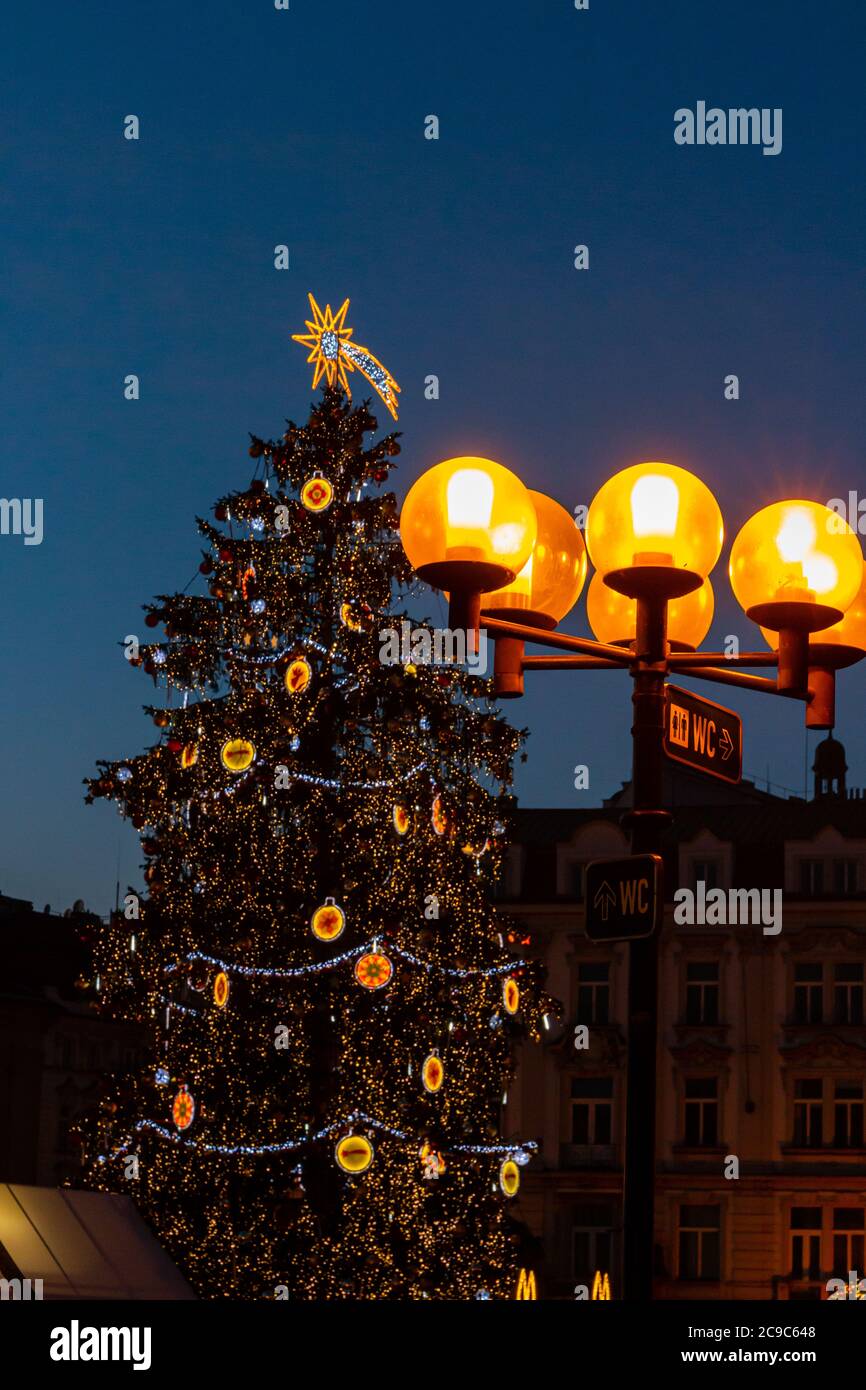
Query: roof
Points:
[84, 1245]
[771, 823]
[758, 830]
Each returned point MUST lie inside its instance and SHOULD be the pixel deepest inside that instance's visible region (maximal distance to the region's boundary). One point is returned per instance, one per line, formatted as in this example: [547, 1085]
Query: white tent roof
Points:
[83, 1245]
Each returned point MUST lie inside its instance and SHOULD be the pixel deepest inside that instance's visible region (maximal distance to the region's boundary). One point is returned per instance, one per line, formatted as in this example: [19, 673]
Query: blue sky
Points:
[306, 127]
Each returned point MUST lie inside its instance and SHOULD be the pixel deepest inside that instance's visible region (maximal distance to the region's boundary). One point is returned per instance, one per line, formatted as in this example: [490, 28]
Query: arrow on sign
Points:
[726, 745]
[605, 898]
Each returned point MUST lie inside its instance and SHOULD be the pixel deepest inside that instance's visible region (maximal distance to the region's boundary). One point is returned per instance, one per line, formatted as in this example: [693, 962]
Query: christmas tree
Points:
[329, 999]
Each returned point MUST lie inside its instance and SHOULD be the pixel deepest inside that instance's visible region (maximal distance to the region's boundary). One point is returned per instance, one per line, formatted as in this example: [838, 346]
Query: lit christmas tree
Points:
[330, 1000]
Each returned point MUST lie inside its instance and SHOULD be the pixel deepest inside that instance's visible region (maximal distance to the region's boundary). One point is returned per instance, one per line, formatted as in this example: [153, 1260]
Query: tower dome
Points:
[829, 768]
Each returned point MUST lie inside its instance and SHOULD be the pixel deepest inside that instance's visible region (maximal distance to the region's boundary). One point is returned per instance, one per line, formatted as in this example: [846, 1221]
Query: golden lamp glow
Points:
[794, 554]
[849, 632]
[654, 514]
[550, 582]
[469, 499]
[468, 515]
[613, 616]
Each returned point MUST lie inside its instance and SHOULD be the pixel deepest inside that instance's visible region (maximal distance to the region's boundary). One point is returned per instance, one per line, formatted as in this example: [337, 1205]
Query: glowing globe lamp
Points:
[796, 566]
[654, 528]
[847, 638]
[549, 583]
[468, 524]
[613, 616]
[839, 645]
[829, 650]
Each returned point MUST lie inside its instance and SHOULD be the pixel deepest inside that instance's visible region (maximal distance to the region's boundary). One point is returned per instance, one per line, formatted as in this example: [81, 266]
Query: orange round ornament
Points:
[373, 970]
[433, 1073]
[183, 1109]
[328, 921]
[316, 494]
[298, 675]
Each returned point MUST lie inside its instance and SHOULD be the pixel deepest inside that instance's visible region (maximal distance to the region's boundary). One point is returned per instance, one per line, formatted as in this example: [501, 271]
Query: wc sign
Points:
[623, 897]
[703, 735]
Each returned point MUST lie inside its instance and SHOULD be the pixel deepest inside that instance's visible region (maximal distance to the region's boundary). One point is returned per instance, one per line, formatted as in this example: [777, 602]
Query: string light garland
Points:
[357, 1119]
[316, 967]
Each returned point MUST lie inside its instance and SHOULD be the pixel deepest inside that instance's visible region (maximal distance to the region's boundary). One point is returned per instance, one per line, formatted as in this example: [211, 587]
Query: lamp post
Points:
[514, 562]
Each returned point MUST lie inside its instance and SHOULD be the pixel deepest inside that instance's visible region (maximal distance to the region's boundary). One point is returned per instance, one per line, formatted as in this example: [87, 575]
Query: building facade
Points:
[761, 1063]
[55, 1050]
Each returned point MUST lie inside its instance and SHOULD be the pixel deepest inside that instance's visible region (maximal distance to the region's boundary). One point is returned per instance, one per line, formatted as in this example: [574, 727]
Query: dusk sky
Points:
[258, 127]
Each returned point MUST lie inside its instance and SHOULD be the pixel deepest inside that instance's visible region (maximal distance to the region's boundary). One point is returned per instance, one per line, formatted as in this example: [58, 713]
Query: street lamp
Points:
[654, 528]
[547, 587]
[654, 532]
[613, 617]
[468, 526]
[830, 649]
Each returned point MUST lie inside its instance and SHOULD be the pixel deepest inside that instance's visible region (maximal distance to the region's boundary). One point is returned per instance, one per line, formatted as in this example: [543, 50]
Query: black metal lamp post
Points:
[653, 532]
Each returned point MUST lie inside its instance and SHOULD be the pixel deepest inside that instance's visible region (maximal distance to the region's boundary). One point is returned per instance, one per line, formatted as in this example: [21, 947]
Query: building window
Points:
[705, 871]
[508, 884]
[848, 1229]
[811, 877]
[591, 1109]
[808, 993]
[848, 1115]
[806, 1243]
[701, 1111]
[591, 1241]
[702, 992]
[575, 880]
[847, 993]
[844, 876]
[700, 1243]
[593, 992]
[808, 1104]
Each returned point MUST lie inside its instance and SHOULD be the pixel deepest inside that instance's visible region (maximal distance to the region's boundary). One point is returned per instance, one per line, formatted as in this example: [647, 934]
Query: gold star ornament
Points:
[334, 356]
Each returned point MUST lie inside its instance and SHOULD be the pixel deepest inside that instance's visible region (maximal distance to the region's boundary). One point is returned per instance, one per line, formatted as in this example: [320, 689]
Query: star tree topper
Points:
[333, 355]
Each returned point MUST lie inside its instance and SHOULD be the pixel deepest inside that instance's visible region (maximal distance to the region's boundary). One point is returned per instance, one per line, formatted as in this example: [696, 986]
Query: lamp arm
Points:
[570, 663]
[682, 660]
[741, 678]
[618, 656]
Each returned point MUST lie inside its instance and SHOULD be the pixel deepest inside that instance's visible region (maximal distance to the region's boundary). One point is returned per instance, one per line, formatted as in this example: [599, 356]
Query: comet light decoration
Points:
[284, 967]
[333, 354]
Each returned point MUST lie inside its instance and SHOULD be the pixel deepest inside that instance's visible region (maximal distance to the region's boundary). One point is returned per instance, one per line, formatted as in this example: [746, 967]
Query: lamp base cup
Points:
[653, 581]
